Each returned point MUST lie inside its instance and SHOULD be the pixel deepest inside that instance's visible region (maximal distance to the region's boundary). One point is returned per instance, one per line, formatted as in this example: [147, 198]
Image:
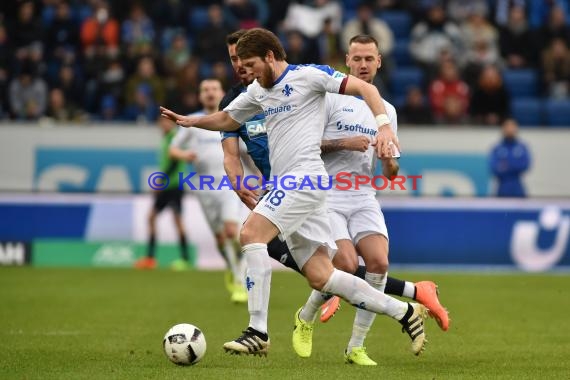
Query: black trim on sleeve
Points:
[343, 85]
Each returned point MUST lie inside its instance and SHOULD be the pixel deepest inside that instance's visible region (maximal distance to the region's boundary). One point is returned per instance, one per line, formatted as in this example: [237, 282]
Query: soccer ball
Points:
[184, 344]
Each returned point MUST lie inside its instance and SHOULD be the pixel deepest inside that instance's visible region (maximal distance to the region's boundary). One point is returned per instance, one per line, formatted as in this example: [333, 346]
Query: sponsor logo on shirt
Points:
[256, 128]
[340, 126]
[275, 110]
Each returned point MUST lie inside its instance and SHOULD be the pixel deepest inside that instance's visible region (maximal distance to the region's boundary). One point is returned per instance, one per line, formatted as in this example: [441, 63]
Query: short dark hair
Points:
[232, 38]
[258, 42]
[363, 39]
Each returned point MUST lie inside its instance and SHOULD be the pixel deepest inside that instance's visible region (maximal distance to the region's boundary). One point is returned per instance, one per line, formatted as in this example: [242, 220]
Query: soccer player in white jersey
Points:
[357, 222]
[221, 207]
[293, 99]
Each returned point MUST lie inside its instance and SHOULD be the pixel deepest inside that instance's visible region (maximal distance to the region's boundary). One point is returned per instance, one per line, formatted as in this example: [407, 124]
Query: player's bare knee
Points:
[247, 236]
[346, 263]
[380, 266]
[318, 281]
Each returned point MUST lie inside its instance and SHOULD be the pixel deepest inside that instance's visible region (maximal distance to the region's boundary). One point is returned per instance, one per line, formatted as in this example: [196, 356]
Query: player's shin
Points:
[364, 319]
[310, 309]
[258, 284]
[360, 294]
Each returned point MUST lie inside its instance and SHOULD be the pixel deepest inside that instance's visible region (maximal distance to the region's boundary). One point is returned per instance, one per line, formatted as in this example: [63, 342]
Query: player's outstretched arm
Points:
[217, 121]
[371, 96]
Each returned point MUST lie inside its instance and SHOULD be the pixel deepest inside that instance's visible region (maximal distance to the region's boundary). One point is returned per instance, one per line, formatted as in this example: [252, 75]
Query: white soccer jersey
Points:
[349, 116]
[206, 145]
[294, 116]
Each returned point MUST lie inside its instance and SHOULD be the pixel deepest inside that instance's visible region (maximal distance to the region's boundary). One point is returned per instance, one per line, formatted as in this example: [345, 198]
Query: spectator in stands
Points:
[72, 87]
[100, 30]
[145, 75]
[28, 94]
[415, 110]
[449, 95]
[177, 54]
[299, 50]
[366, 23]
[143, 109]
[62, 34]
[556, 69]
[211, 41]
[509, 160]
[481, 41]
[112, 81]
[58, 110]
[137, 34]
[329, 46]
[26, 30]
[557, 27]
[516, 40]
[490, 102]
[433, 36]
[138, 28]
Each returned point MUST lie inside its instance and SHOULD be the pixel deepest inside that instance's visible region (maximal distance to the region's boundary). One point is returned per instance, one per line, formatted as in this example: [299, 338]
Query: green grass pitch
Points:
[109, 324]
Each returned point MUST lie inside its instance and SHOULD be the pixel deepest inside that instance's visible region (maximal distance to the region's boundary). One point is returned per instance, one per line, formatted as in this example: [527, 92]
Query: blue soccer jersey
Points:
[252, 132]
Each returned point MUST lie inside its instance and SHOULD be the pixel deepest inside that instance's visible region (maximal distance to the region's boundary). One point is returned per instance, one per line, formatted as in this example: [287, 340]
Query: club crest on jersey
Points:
[287, 90]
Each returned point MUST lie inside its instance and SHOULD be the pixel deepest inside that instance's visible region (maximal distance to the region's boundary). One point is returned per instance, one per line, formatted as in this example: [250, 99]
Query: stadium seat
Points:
[198, 18]
[527, 111]
[351, 5]
[205, 70]
[401, 52]
[521, 83]
[404, 78]
[557, 113]
[48, 15]
[400, 22]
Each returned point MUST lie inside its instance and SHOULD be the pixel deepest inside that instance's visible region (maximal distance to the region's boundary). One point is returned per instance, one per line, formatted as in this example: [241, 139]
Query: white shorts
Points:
[219, 206]
[354, 217]
[302, 219]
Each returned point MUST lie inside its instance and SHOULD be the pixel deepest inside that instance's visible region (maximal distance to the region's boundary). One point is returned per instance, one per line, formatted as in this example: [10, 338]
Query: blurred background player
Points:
[510, 159]
[221, 207]
[169, 197]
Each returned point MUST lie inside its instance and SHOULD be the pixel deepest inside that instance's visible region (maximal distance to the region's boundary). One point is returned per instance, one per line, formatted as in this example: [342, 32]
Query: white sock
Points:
[357, 292]
[232, 256]
[315, 301]
[409, 290]
[364, 318]
[258, 284]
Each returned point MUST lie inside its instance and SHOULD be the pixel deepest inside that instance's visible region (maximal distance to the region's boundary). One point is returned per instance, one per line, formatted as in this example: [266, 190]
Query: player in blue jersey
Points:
[292, 98]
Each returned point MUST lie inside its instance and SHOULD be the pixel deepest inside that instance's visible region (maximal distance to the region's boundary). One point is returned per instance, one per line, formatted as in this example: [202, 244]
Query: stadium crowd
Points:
[444, 62]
